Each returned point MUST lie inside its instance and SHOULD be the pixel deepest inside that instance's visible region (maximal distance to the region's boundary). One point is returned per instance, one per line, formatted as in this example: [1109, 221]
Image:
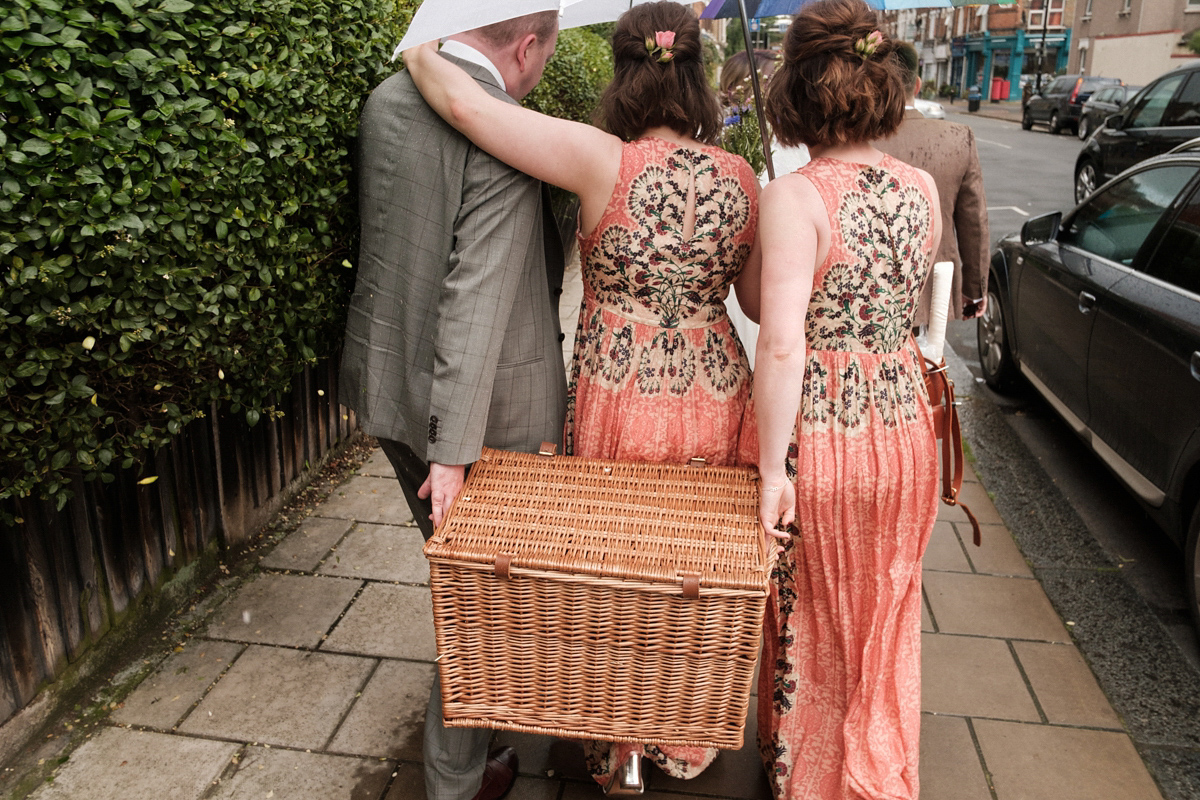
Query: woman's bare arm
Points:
[789, 235]
[577, 157]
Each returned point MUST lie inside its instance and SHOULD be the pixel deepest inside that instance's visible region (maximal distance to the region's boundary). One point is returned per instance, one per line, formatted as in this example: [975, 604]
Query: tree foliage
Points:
[175, 213]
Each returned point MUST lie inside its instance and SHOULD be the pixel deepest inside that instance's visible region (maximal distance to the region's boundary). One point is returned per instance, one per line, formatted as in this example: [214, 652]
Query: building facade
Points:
[988, 46]
[1134, 40]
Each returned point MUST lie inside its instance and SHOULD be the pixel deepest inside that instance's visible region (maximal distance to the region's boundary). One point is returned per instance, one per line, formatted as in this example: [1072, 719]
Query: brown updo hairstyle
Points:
[827, 93]
[645, 93]
[735, 72]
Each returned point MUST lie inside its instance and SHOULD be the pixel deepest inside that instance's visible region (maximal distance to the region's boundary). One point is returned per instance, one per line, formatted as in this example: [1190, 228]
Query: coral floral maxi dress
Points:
[840, 686]
[658, 372]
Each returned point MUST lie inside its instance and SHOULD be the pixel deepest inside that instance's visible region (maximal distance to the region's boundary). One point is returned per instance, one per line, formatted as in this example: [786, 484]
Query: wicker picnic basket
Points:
[600, 599]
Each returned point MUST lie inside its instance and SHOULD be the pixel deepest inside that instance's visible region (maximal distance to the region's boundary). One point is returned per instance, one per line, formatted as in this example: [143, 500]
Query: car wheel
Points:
[1085, 181]
[1192, 565]
[995, 355]
[1026, 120]
[1084, 128]
[1055, 126]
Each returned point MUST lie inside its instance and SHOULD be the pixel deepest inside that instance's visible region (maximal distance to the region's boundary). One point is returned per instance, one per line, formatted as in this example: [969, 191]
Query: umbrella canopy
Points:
[960, 3]
[437, 19]
[728, 9]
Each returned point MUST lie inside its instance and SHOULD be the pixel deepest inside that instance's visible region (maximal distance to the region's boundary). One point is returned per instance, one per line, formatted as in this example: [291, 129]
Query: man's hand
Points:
[973, 308]
[441, 487]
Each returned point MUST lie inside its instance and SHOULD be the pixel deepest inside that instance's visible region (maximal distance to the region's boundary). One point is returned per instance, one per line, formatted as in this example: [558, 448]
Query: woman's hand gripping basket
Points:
[600, 599]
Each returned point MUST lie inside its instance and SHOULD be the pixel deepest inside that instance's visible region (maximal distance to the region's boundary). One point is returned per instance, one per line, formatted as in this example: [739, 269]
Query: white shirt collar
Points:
[458, 49]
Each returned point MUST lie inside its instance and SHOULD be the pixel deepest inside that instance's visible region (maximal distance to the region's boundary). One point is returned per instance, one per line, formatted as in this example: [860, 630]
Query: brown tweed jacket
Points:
[946, 150]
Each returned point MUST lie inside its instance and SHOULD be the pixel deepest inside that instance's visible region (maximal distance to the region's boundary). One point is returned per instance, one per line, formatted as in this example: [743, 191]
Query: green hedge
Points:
[176, 214]
[575, 76]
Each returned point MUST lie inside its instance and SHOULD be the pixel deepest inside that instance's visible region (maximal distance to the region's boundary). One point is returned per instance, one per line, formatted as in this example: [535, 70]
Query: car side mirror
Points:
[1041, 229]
[1115, 121]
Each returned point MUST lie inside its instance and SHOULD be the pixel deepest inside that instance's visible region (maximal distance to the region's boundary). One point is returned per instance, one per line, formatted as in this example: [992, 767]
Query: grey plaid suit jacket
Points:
[452, 340]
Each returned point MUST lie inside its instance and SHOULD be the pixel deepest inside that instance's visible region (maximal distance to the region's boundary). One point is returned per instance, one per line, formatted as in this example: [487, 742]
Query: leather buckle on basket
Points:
[691, 585]
[503, 565]
[547, 450]
[697, 461]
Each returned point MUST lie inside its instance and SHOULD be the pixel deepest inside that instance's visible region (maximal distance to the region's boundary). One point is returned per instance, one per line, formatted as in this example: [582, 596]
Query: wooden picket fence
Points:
[68, 577]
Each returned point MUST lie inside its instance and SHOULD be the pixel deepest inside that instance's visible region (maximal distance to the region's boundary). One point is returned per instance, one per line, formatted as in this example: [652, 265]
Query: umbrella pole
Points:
[758, 104]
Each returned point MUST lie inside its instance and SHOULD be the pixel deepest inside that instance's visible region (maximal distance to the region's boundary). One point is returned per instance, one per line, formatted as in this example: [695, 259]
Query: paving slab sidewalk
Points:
[311, 682]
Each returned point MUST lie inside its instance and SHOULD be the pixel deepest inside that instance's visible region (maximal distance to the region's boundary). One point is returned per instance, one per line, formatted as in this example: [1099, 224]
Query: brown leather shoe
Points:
[499, 774]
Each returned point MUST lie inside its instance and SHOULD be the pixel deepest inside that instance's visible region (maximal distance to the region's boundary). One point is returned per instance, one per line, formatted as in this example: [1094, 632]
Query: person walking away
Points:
[847, 242]
[946, 150]
[452, 341]
[667, 225]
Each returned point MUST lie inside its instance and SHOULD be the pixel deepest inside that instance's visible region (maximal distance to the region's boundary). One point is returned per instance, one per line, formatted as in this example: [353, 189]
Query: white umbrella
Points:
[437, 19]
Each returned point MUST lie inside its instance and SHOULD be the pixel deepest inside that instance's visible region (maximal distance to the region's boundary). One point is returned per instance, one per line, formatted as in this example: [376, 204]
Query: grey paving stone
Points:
[973, 677]
[293, 610]
[164, 697]
[734, 774]
[546, 756]
[1047, 761]
[950, 768]
[367, 499]
[410, 785]
[282, 697]
[945, 552]
[997, 553]
[304, 547]
[265, 772]
[1065, 686]
[987, 605]
[124, 764]
[387, 621]
[389, 718]
[380, 553]
[378, 466]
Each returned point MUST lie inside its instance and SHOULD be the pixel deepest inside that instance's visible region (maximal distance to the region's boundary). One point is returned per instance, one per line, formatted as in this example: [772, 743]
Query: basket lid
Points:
[634, 521]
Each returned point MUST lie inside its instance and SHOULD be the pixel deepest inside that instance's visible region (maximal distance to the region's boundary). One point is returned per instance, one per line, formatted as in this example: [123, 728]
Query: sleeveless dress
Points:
[658, 372]
[839, 699]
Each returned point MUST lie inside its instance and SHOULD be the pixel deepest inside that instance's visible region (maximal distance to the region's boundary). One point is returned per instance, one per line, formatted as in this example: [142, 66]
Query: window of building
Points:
[1037, 13]
[1192, 5]
[1126, 5]
[1087, 9]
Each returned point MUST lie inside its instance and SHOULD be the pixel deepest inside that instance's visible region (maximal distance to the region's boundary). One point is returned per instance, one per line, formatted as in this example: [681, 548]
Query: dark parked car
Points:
[1104, 102]
[1060, 103]
[1163, 115]
[1100, 311]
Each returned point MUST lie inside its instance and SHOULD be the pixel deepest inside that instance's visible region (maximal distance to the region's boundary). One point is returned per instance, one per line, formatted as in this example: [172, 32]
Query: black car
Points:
[1059, 104]
[1100, 311]
[1163, 115]
[1104, 102]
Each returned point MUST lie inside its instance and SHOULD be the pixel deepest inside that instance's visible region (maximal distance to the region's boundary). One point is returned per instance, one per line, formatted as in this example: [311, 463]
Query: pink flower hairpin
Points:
[660, 46]
[867, 46]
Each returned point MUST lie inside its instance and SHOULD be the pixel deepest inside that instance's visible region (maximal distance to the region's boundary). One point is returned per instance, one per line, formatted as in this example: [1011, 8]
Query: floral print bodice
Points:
[865, 294]
[643, 259]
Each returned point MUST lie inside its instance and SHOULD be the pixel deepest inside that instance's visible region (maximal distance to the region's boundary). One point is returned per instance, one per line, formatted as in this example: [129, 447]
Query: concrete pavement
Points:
[310, 681]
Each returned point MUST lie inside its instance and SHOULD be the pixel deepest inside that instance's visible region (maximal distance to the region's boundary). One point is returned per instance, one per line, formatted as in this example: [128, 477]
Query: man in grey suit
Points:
[946, 150]
[452, 341]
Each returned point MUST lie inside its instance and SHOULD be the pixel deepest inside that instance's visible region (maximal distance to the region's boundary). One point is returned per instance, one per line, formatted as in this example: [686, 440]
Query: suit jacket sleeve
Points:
[493, 234]
[971, 226]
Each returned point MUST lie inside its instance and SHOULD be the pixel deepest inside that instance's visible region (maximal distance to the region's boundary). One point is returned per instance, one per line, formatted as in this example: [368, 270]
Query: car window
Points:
[1102, 96]
[1059, 86]
[1153, 104]
[1114, 223]
[1185, 108]
[1177, 260]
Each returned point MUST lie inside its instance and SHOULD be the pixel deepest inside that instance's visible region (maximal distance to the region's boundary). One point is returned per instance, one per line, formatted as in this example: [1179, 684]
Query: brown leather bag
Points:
[946, 426]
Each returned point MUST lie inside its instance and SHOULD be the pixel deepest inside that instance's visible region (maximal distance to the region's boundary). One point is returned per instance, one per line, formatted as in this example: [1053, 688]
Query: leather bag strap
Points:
[941, 393]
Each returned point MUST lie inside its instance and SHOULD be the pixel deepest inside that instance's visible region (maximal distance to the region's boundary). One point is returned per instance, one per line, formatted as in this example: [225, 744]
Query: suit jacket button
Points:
[562, 337]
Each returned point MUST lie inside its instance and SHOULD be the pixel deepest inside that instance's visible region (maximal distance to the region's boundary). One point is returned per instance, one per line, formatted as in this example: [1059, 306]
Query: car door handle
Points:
[1196, 365]
[1087, 302]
